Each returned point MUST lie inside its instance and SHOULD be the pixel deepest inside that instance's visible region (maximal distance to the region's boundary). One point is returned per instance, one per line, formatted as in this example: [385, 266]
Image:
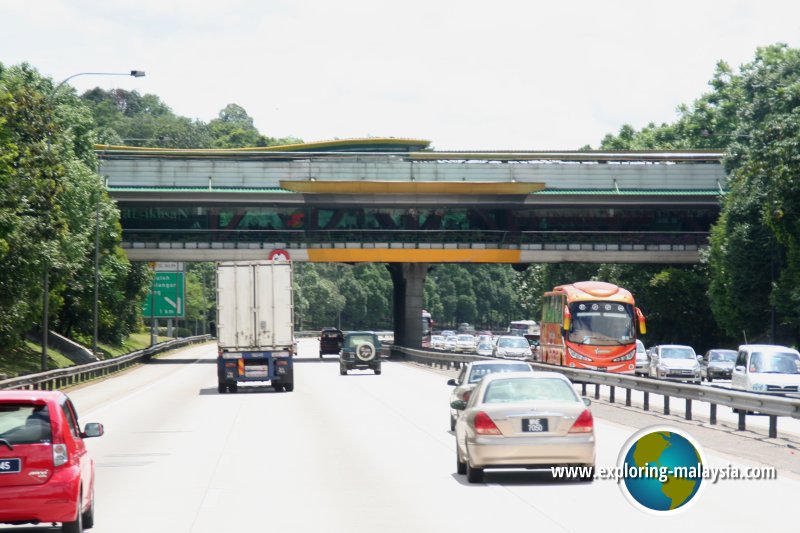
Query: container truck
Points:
[255, 324]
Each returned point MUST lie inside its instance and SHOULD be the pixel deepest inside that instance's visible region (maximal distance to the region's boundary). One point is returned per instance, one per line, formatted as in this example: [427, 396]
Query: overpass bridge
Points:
[395, 201]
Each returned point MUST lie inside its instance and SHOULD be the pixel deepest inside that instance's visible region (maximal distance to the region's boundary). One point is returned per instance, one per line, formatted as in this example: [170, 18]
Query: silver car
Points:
[437, 342]
[509, 347]
[450, 343]
[484, 349]
[523, 420]
[717, 364]
[465, 343]
[642, 360]
[674, 362]
[472, 373]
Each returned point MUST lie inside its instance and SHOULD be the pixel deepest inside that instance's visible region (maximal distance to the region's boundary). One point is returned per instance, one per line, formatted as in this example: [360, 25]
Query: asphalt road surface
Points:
[356, 453]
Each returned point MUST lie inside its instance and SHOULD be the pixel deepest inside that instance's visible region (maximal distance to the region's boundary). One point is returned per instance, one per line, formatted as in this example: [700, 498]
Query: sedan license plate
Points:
[10, 466]
[534, 425]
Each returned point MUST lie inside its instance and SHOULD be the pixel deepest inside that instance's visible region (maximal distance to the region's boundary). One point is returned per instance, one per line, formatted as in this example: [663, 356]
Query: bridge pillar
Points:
[409, 282]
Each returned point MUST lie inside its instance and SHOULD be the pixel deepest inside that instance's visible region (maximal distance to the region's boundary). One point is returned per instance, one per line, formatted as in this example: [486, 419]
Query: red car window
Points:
[24, 423]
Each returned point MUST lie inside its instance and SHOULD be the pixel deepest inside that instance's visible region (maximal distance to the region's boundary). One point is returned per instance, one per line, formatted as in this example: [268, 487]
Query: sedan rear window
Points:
[526, 389]
[478, 371]
[677, 353]
[25, 424]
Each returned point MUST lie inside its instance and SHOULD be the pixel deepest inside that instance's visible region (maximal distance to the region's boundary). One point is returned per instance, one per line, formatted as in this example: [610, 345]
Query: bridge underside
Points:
[644, 229]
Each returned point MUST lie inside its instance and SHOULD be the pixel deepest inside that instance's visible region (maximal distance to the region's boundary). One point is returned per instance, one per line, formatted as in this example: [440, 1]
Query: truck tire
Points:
[288, 387]
[365, 351]
[233, 388]
[342, 370]
[222, 388]
[278, 388]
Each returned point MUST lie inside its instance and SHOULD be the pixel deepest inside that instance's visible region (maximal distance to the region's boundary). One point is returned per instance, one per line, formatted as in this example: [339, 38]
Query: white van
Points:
[766, 368]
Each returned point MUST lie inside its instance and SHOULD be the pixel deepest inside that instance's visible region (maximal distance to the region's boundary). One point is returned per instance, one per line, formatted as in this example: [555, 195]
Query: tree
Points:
[49, 202]
[755, 245]
[234, 128]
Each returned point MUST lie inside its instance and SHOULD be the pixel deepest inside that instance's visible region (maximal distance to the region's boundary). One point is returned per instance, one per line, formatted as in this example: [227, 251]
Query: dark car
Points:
[360, 349]
[717, 364]
[330, 341]
[46, 473]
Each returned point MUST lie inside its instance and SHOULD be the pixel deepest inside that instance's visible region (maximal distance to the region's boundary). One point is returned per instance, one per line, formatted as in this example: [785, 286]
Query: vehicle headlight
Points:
[627, 357]
[759, 387]
[576, 355]
[501, 351]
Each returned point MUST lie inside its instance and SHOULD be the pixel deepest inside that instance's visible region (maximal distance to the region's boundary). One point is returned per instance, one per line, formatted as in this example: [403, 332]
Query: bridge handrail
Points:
[745, 401]
[53, 379]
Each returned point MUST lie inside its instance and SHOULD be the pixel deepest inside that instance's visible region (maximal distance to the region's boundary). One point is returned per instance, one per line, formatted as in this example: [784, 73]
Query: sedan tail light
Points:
[484, 425]
[584, 423]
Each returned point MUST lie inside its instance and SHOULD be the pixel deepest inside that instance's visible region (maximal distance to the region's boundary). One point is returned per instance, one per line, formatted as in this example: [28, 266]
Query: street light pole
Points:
[95, 315]
[46, 295]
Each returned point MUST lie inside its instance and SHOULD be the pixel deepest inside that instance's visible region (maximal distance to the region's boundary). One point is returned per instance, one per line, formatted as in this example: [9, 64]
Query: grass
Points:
[136, 341]
[28, 358]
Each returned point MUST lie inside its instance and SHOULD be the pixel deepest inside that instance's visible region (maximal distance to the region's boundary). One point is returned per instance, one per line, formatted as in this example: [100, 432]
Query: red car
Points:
[46, 474]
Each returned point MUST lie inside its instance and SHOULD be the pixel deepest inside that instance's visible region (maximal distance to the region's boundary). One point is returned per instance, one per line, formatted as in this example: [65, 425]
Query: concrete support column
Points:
[409, 282]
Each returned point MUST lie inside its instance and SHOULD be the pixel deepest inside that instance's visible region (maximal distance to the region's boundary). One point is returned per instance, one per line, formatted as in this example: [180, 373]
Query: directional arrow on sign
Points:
[176, 305]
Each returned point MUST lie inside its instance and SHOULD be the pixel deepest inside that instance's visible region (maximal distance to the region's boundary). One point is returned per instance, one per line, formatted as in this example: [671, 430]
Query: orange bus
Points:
[590, 325]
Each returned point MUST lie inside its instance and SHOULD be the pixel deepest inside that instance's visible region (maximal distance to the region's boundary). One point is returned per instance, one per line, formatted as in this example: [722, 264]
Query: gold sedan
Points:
[523, 420]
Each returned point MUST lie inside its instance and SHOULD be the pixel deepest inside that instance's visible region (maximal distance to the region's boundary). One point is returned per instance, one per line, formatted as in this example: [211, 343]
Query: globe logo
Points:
[661, 469]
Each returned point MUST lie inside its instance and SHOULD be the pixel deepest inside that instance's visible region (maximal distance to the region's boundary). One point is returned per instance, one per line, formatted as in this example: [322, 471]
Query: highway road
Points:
[360, 453]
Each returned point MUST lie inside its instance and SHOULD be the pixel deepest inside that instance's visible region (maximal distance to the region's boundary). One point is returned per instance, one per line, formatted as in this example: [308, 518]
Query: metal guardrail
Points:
[742, 402]
[62, 377]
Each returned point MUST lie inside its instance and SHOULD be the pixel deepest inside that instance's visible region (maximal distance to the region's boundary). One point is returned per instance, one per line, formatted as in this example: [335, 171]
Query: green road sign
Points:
[166, 296]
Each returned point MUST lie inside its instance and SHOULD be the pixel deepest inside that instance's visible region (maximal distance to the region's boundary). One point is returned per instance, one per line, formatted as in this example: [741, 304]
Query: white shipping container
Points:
[255, 309]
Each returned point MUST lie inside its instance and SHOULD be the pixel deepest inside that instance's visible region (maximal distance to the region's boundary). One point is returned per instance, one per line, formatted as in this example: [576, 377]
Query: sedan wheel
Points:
[474, 475]
[461, 466]
[452, 423]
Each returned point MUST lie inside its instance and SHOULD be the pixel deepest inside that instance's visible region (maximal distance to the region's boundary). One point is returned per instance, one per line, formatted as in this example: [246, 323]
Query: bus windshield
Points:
[602, 323]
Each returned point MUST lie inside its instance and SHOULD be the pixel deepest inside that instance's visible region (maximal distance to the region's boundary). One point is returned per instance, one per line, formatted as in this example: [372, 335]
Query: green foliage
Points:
[126, 117]
[50, 202]
[756, 243]
[201, 285]
[753, 259]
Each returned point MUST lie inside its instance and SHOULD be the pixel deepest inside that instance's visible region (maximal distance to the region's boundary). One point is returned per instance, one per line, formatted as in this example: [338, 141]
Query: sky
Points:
[466, 75]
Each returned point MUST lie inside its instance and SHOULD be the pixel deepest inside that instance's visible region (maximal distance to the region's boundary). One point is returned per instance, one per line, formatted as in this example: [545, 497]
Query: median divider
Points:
[742, 402]
[64, 377]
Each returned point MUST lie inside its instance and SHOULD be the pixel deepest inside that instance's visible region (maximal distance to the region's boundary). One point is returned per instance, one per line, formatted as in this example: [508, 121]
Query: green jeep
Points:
[360, 349]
